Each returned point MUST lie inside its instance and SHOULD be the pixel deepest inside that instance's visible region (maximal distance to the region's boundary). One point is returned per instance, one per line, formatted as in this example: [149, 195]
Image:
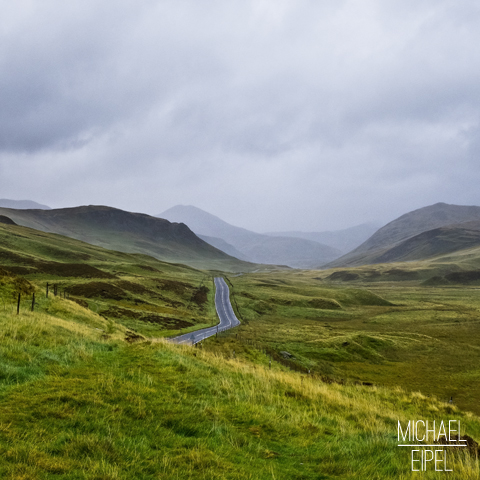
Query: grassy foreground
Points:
[76, 404]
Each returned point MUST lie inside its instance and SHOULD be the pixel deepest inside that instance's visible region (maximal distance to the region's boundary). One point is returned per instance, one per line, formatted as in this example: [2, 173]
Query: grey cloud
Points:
[309, 113]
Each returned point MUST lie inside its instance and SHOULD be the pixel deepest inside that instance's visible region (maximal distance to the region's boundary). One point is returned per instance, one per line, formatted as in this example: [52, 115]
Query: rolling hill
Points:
[424, 233]
[128, 232]
[258, 248]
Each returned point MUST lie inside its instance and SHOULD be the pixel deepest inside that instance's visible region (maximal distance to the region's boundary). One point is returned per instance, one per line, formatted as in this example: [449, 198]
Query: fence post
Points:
[18, 304]
[33, 302]
[47, 289]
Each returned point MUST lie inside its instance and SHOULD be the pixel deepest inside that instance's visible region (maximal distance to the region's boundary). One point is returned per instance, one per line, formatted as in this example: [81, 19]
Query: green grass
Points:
[393, 334]
[78, 401]
[85, 407]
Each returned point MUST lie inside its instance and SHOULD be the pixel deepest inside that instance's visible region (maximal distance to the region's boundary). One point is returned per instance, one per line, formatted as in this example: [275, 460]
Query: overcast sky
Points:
[272, 114]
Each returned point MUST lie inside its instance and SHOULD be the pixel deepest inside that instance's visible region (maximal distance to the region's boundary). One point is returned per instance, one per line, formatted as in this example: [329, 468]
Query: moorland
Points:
[311, 385]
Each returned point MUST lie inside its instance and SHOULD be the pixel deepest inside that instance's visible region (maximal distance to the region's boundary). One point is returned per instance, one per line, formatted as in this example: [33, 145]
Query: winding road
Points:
[225, 314]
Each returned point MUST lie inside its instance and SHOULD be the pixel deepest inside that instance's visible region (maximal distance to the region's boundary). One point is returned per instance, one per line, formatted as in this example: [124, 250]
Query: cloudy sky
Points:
[272, 114]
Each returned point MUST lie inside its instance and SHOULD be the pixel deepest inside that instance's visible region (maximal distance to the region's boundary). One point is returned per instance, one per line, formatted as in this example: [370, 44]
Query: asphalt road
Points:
[225, 314]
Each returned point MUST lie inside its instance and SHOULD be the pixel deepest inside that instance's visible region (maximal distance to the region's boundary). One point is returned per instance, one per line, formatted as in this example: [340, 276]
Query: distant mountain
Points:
[22, 204]
[344, 240]
[423, 233]
[258, 248]
[128, 232]
[223, 246]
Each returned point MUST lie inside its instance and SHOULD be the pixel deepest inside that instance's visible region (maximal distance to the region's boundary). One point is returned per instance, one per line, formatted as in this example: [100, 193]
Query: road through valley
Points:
[225, 314]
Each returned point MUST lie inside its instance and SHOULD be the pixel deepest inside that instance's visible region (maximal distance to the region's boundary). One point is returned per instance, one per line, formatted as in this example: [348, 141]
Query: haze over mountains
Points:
[128, 232]
[22, 204]
[424, 233]
[344, 240]
[252, 246]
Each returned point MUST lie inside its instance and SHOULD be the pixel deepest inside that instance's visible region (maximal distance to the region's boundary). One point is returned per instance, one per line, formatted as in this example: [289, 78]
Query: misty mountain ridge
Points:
[22, 204]
[345, 240]
[256, 247]
[423, 233]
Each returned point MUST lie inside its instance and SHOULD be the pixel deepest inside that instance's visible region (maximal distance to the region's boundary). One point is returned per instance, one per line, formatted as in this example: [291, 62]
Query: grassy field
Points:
[90, 390]
[77, 405]
[419, 337]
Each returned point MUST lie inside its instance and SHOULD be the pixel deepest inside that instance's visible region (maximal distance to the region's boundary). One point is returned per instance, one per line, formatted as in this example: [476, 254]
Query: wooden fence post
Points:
[47, 289]
[18, 304]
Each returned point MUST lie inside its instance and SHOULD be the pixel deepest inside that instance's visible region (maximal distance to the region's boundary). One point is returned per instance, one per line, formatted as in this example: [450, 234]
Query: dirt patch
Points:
[77, 270]
[118, 312]
[138, 289]
[134, 288]
[174, 286]
[131, 337]
[18, 270]
[169, 323]
[471, 445]
[97, 289]
[80, 302]
[200, 295]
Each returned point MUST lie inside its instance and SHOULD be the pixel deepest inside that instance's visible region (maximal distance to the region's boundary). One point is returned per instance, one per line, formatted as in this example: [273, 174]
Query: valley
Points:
[311, 384]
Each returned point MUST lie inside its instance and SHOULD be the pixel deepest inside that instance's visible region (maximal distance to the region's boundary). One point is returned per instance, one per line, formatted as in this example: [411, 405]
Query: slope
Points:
[375, 249]
[128, 232]
[142, 293]
[294, 252]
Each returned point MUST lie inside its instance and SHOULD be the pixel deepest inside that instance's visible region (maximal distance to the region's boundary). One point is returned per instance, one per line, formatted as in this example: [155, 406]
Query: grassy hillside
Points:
[78, 404]
[395, 241]
[150, 297]
[129, 232]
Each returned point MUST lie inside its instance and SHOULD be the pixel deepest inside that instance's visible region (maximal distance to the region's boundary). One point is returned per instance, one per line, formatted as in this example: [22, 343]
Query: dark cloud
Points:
[273, 114]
